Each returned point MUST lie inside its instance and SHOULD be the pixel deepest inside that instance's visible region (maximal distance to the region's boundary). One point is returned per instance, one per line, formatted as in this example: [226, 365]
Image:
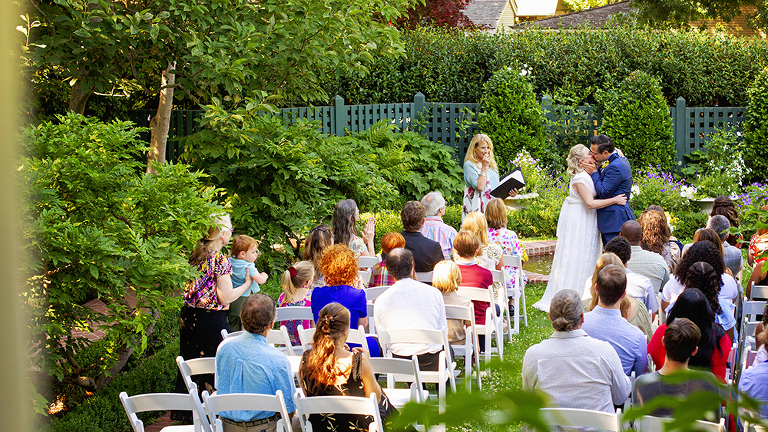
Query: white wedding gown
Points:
[578, 244]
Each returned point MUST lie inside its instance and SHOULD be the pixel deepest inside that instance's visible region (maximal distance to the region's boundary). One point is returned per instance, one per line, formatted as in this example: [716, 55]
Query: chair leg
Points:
[525, 314]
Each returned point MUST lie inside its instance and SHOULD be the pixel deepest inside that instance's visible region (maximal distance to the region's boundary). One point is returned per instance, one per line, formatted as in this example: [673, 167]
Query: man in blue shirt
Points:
[606, 323]
[247, 364]
[754, 382]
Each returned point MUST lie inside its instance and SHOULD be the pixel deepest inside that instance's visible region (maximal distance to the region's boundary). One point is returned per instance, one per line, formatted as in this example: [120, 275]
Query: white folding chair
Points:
[356, 336]
[166, 402]
[371, 294]
[338, 405]
[469, 349]
[192, 367]
[400, 370]
[425, 277]
[365, 276]
[446, 367]
[368, 261]
[583, 418]
[502, 299]
[752, 308]
[750, 427]
[276, 337]
[371, 324]
[656, 424]
[292, 313]
[731, 363]
[246, 402]
[517, 262]
[758, 292]
[493, 324]
[747, 357]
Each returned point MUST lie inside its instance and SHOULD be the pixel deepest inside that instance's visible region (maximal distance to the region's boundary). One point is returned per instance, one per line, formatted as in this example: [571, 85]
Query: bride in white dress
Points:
[578, 240]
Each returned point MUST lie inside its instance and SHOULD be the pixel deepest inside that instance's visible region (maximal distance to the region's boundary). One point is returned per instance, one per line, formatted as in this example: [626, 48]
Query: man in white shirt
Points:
[638, 286]
[410, 304]
[577, 371]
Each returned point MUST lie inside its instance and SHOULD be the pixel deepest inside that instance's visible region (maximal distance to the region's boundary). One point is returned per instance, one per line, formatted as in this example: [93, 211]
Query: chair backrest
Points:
[398, 370]
[512, 261]
[583, 418]
[365, 275]
[290, 313]
[655, 424]
[337, 405]
[368, 261]
[752, 308]
[244, 402]
[356, 336]
[164, 402]
[276, 337]
[498, 277]
[192, 367]
[225, 334]
[425, 277]
[371, 294]
[758, 292]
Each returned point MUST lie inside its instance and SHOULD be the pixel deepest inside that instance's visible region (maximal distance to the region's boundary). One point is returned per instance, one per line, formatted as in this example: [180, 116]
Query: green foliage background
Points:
[756, 129]
[636, 117]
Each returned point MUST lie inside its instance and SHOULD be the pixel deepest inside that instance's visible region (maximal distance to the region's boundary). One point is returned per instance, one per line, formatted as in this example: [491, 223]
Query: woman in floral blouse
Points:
[496, 216]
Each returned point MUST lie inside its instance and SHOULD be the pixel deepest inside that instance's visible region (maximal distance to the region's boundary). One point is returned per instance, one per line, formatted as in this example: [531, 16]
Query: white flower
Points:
[687, 192]
[523, 72]
[635, 189]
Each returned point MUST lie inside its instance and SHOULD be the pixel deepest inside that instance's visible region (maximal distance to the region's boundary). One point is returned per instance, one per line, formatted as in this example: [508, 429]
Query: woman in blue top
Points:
[481, 175]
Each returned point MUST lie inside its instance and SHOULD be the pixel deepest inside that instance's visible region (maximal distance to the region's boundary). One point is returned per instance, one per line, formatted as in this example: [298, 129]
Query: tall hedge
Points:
[512, 116]
[756, 129]
[637, 118]
[452, 66]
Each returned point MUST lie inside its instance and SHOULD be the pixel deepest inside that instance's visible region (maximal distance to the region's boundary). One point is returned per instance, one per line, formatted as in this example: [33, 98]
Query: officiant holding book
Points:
[481, 175]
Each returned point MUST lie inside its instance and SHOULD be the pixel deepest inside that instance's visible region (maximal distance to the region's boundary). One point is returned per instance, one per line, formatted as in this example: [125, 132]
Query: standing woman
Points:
[481, 175]
[206, 300]
[345, 216]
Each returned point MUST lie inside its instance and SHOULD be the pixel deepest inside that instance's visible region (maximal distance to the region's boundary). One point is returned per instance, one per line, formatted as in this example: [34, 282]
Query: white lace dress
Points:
[578, 244]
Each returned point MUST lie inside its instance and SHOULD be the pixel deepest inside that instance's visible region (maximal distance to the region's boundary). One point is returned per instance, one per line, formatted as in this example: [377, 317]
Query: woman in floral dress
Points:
[496, 216]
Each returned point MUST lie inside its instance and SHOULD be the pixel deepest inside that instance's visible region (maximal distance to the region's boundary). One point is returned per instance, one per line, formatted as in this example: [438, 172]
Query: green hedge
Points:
[452, 65]
[756, 129]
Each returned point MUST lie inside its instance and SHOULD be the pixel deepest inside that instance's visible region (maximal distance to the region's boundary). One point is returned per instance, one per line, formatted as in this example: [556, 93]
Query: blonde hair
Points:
[477, 140]
[574, 156]
[305, 271]
[242, 243]
[204, 247]
[446, 276]
[476, 224]
[605, 259]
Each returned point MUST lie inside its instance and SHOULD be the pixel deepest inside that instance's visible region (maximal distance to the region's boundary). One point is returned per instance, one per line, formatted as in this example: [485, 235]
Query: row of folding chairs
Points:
[572, 417]
[746, 347]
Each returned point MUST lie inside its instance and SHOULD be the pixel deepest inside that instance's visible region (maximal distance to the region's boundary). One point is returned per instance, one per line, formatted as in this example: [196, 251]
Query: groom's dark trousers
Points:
[614, 179]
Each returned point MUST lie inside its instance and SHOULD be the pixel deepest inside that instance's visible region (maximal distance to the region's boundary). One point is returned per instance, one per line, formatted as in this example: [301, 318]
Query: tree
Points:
[440, 13]
[578, 5]
[95, 227]
[678, 13]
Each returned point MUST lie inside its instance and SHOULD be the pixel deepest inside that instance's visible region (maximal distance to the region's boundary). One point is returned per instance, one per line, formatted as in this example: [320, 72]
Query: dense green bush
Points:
[756, 129]
[512, 117]
[538, 217]
[452, 66]
[637, 118]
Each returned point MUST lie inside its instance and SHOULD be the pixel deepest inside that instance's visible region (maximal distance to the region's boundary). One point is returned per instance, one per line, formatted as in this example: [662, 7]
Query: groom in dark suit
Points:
[612, 176]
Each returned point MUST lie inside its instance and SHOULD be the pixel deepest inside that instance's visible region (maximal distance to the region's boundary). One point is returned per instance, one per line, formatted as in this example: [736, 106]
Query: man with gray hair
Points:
[731, 254]
[577, 371]
[434, 228]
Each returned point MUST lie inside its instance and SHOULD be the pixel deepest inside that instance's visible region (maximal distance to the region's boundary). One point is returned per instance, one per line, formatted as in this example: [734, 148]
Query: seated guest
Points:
[410, 304]
[680, 342]
[434, 228]
[731, 254]
[631, 309]
[575, 370]
[714, 345]
[490, 253]
[496, 216]
[447, 278]
[638, 286]
[702, 276]
[379, 274]
[701, 251]
[758, 244]
[672, 238]
[466, 248]
[754, 382]
[345, 216]
[706, 234]
[656, 237]
[296, 282]
[248, 364]
[758, 277]
[426, 252]
[605, 322]
[330, 369]
[723, 206]
[319, 238]
[647, 263]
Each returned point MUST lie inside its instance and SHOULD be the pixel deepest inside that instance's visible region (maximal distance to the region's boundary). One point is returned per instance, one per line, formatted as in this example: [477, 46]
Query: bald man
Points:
[647, 263]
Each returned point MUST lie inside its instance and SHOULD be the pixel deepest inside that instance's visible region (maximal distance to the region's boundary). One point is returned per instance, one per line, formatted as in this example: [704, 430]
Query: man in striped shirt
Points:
[434, 228]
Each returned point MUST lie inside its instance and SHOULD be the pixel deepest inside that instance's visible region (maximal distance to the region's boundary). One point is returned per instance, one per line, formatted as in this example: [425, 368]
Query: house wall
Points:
[738, 26]
[508, 16]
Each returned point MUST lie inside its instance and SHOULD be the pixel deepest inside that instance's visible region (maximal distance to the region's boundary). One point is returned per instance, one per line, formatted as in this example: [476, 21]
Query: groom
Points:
[612, 176]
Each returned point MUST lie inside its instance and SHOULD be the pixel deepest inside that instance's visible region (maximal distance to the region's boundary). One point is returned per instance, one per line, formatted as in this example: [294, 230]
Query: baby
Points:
[245, 250]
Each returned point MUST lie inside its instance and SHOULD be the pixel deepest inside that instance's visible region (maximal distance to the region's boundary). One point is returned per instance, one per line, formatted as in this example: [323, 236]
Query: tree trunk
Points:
[161, 122]
[78, 98]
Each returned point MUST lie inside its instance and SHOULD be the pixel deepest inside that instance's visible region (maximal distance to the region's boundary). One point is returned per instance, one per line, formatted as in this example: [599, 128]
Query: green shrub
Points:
[756, 129]
[512, 117]
[539, 216]
[636, 117]
[686, 224]
[657, 187]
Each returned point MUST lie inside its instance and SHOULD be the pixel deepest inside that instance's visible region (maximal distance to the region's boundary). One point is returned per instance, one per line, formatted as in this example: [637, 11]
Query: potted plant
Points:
[711, 186]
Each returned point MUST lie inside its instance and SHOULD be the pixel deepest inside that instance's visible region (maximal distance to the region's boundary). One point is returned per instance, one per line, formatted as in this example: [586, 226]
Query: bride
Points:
[578, 240]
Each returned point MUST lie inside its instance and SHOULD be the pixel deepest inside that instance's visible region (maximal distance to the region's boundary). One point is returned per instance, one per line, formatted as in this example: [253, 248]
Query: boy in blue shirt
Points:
[245, 250]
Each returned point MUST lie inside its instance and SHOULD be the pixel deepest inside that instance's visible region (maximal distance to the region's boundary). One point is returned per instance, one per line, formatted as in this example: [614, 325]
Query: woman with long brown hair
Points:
[724, 206]
[656, 235]
[315, 243]
[330, 369]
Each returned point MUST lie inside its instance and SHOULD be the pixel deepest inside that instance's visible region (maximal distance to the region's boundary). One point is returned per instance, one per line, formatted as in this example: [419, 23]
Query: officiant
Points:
[481, 175]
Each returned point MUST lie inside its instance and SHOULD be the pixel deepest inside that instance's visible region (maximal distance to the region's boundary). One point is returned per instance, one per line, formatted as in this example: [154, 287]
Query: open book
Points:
[513, 180]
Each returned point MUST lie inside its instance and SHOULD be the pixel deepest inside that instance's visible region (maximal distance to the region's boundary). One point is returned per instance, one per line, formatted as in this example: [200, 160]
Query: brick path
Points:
[536, 248]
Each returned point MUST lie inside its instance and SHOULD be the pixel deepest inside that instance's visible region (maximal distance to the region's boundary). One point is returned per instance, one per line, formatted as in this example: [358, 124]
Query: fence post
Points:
[341, 115]
[679, 125]
[418, 107]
